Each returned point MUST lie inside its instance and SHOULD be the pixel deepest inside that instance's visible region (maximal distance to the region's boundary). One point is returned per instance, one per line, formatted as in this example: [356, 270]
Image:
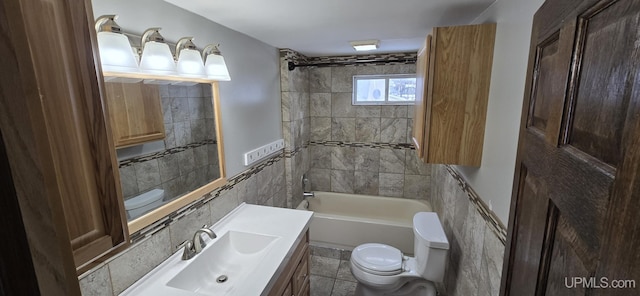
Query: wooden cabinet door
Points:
[288, 291]
[461, 61]
[574, 223]
[422, 105]
[301, 275]
[58, 141]
[452, 93]
[135, 111]
[296, 272]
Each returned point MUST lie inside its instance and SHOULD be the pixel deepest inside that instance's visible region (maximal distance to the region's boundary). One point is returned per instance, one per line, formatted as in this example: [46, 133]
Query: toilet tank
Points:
[430, 246]
[143, 203]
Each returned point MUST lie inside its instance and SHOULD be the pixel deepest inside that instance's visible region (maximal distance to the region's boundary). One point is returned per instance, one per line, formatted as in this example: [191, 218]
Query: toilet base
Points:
[410, 288]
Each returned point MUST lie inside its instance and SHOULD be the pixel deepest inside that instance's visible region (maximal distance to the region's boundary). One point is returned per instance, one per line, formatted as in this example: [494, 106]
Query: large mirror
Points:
[168, 142]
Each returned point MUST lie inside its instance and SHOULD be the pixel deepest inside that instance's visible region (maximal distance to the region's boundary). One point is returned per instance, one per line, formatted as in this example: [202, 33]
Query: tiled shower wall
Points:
[190, 157]
[295, 123]
[362, 149]
[476, 237]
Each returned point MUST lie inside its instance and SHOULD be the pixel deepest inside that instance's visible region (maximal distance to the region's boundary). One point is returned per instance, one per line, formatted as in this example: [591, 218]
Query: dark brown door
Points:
[574, 227]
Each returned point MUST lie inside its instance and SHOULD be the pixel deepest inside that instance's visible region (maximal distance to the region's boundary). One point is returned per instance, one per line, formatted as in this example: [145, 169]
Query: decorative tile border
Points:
[231, 183]
[293, 56]
[292, 153]
[398, 146]
[400, 58]
[489, 216]
[160, 154]
[395, 58]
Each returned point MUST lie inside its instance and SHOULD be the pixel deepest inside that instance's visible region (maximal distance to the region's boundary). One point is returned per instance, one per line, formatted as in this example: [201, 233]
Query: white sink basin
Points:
[230, 261]
[252, 245]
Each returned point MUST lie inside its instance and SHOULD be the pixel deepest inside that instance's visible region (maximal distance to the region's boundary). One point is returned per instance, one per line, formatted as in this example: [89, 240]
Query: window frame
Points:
[386, 102]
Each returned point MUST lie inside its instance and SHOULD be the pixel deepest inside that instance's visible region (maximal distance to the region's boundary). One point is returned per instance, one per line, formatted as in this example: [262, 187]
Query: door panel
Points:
[566, 260]
[550, 80]
[546, 59]
[604, 50]
[582, 125]
[526, 254]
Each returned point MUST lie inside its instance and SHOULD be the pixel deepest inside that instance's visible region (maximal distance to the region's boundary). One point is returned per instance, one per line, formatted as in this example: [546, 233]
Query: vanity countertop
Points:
[283, 227]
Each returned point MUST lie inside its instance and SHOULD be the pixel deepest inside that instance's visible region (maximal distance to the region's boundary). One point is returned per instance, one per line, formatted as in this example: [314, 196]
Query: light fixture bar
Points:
[154, 62]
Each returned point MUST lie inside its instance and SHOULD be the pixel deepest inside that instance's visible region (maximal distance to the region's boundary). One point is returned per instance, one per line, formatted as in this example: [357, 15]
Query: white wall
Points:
[250, 102]
[493, 180]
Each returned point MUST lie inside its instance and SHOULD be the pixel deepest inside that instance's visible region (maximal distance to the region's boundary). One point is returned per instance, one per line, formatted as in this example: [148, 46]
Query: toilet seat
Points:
[378, 259]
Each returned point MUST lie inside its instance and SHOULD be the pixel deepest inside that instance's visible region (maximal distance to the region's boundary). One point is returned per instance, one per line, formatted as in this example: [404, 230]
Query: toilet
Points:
[140, 204]
[383, 270]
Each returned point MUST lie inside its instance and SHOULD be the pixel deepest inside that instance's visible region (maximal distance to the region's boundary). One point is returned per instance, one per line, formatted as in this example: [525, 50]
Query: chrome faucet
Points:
[306, 187]
[195, 245]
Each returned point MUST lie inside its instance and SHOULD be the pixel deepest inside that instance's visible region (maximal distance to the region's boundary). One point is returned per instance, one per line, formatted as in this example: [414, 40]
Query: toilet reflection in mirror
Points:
[176, 150]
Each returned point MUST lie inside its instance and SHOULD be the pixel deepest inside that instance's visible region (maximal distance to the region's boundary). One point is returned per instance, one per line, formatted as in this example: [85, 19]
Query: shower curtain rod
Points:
[293, 65]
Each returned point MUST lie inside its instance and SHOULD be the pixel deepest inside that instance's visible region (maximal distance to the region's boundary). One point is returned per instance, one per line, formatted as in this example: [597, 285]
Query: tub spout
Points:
[308, 194]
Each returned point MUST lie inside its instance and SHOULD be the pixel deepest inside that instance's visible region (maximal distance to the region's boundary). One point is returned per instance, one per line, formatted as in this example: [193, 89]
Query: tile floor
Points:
[330, 273]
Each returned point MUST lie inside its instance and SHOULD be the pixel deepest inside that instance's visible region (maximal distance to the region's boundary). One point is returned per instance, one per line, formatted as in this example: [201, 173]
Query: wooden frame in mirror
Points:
[167, 135]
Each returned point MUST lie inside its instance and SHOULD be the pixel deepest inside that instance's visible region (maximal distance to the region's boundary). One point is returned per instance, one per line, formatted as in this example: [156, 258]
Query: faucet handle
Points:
[189, 250]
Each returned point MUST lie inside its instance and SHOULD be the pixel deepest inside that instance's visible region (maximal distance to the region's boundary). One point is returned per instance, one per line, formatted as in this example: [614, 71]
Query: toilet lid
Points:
[378, 258]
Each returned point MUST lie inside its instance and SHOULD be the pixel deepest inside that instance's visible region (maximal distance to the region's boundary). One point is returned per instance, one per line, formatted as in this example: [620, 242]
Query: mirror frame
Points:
[178, 203]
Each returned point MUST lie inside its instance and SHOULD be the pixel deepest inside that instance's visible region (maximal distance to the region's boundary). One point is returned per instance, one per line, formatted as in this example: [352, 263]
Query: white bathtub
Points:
[347, 220]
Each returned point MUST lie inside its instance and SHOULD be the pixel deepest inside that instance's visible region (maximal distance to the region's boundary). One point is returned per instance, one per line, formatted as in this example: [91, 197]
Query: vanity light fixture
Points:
[365, 45]
[116, 54]
[190, 62]
[215, 67]
[154, 62]
[156, 55]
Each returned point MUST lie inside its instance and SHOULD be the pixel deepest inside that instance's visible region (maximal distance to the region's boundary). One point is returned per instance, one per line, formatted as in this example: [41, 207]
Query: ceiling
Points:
[325, 27]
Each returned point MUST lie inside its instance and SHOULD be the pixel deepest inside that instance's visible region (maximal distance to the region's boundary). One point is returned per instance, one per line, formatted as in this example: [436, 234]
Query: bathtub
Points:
[345, 221]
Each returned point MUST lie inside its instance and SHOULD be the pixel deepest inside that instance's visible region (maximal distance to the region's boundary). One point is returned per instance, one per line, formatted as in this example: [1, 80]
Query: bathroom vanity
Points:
[293, 280]
[258, 250]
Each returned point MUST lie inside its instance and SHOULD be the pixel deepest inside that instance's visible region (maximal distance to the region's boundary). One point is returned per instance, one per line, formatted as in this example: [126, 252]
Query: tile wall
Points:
[190, 156]
[362, 149]
[263, 184]
[476, 236]
[295, 122]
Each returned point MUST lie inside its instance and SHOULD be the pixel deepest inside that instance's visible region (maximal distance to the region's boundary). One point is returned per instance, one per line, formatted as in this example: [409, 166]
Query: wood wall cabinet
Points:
[294, 279]
[57, 139]
[453, 76]
[135, 111]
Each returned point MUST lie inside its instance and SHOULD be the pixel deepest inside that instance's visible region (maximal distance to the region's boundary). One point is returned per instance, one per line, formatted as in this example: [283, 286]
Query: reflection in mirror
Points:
[155, 172]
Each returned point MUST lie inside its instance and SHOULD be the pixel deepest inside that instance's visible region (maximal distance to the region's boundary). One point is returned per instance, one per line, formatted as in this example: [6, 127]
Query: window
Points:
[397, 89]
